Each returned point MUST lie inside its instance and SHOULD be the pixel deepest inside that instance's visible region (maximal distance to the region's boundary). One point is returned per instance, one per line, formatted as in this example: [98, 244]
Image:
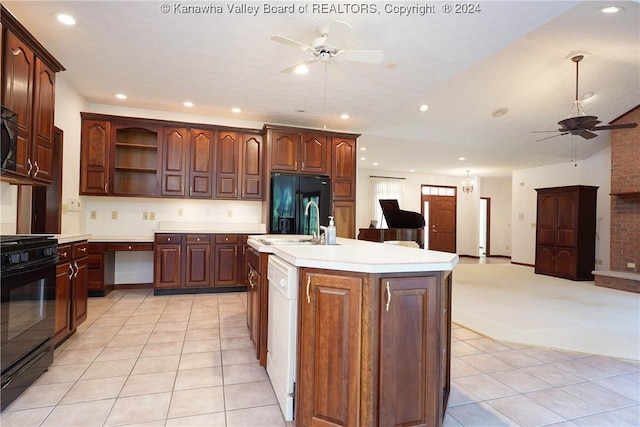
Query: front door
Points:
[439, 210]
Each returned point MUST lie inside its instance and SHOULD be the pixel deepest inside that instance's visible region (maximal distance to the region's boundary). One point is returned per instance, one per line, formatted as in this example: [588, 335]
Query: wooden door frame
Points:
[487, 249]
[424, 197]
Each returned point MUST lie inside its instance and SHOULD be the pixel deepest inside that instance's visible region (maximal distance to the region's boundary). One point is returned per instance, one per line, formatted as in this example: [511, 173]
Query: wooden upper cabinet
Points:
[315, 154]
[252, 166]
[227, 161]
[175, 148]
[43, 112]
[343, 168]
[17, 94]
[136, 161]
[201, 164]
[94, 157]
[284, 150]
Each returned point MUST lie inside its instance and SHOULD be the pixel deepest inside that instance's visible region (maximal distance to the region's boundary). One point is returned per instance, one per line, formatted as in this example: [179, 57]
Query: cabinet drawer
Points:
[117, 247]
[80, 250]
[227, 238]
[64, 252]
[96, 248]
[94, 261]
[199, 238]
[168, 238]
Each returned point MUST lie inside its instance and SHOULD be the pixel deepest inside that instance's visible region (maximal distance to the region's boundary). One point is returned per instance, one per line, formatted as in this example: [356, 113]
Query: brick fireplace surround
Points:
[625, 208]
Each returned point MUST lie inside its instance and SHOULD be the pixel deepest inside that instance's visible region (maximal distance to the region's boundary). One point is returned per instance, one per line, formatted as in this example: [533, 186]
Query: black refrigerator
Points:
[289, 197]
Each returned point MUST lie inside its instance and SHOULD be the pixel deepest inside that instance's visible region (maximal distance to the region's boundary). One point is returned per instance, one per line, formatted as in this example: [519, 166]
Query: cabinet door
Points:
[17, 94]
[315, 154]
[227, 165]
[251, 166]
[136, 161]
[343, 169]
[284, 151]
[43, 108]
[62, 328]
[345, 218]
[167, 268]
[201, 165]
[94, 157]
[566, 215]
[409, 352]
[175, 146]
[546, 219]
[253, 308]
[327, 392]
[226, 265]
[79, 285]
[566, 262]
[198, 262]
[545, 259]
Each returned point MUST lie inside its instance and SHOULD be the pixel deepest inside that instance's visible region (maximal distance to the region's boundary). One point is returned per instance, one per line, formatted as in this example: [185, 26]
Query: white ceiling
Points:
[510, 54]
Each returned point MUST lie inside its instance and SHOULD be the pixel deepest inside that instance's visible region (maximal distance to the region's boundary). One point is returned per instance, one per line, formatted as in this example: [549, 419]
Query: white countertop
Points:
[359, 256]
[127, 239]
[70, 238]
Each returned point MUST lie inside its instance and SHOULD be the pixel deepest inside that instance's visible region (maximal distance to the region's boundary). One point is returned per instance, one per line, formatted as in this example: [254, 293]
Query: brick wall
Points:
[625, 177]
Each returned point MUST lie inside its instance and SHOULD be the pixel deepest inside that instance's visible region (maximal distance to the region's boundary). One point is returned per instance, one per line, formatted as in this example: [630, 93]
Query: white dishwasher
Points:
[281, 335]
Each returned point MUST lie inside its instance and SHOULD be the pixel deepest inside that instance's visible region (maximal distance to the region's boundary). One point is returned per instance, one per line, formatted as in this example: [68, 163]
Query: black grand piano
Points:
[403, 225]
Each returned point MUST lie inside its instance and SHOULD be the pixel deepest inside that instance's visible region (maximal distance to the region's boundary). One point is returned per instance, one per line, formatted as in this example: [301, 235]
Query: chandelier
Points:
[467, 184]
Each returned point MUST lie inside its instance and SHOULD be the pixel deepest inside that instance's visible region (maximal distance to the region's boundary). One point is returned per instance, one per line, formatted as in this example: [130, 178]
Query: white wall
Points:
[467, 204]
[499, 191]
[594, 171]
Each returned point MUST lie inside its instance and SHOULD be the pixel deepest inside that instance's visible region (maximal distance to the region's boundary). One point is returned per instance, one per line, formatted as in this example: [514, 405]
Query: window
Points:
[382, 187]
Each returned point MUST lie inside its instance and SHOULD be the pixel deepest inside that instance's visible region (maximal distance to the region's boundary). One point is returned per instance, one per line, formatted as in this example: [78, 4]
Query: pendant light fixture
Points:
[467, 184]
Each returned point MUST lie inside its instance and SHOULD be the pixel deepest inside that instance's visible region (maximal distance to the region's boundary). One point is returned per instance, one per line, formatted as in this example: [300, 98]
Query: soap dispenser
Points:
[331, 232]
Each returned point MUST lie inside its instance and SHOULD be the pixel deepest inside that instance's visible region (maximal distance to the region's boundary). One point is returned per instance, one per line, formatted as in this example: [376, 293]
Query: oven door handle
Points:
[30, 265]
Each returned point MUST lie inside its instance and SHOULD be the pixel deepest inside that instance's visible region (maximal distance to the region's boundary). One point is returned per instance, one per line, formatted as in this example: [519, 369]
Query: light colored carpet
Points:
[510, 303]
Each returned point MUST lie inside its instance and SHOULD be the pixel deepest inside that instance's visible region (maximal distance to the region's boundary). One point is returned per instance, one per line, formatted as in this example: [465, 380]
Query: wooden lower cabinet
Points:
[373, 349]
[258, 301]
[71, 289]
[198, 261]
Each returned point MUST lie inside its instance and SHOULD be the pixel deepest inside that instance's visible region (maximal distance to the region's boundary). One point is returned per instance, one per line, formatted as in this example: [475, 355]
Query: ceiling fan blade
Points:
[337, 33]
[368, 56]
[292, 68]
[549, 137]
[586, 134]
[543, 131]
[578, 122]
[290, 42]
[620, 126]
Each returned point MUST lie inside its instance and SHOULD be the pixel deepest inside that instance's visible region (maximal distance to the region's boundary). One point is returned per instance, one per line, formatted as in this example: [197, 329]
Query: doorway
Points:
[484, 227]
[438, 205]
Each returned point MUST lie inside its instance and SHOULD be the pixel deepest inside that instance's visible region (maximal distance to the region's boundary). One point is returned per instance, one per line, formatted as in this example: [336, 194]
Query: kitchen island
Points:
[374, 332]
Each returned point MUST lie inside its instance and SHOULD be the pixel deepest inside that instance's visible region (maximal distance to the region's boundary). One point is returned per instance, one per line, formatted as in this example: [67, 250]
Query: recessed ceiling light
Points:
[363, 148]
[65, 18]
[301, 69]
[500, 112]
[375, 163]
[236, 110]
[587, 95]
[363, 158]
[424, 107]
[462, 158]
[344, 116]
[412, 170]
[120, 96]
[611, 9]
[188, 104]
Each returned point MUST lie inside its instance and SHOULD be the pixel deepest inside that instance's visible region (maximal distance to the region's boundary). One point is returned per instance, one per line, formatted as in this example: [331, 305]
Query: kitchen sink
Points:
[289, 241]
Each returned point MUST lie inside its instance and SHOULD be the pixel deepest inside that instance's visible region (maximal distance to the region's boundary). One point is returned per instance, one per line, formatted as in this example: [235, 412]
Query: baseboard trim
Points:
[522, 263]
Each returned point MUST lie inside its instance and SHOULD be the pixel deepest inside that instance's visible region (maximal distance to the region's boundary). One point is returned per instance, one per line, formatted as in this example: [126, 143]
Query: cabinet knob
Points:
[197, 239]
[30, 167]
[83, 249]
[226, 239]
[130, 247]
[308, 285]
[168, 239]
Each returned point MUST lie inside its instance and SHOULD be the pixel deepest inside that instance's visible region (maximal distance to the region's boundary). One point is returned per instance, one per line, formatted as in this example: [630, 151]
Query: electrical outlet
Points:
[145, 216]
[631, 264]
[73, 204]
[114, 214]
[152, 216]
[94, 215]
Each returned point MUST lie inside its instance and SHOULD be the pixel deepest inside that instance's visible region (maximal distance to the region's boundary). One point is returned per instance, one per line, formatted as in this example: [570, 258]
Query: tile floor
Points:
[186, 360]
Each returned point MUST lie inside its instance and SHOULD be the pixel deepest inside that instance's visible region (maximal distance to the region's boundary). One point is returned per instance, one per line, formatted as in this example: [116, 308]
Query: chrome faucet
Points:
[314, 234]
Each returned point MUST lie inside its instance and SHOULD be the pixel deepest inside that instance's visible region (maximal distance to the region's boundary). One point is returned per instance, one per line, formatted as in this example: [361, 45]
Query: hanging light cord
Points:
[325, 95]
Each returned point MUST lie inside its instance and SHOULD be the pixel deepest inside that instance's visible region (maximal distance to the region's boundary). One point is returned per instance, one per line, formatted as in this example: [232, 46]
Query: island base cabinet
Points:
[329, 351]
[373, 349]
[408, 369]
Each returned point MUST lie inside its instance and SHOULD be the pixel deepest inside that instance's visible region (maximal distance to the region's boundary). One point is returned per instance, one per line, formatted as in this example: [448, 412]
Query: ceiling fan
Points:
[581, 124]
[327, 49]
